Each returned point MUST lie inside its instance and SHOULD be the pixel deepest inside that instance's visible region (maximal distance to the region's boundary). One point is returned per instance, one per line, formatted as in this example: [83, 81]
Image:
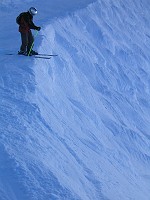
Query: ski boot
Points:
[22, 53]
[33, 53]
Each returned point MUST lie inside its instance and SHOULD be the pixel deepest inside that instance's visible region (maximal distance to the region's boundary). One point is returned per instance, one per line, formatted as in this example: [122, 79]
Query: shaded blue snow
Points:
[77, 126]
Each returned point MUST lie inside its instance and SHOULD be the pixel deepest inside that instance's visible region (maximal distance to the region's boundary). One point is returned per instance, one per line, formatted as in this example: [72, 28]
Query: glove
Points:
[38, 28]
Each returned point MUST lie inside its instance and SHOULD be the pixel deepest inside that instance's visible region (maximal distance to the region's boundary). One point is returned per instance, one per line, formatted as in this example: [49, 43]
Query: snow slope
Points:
[76, 126]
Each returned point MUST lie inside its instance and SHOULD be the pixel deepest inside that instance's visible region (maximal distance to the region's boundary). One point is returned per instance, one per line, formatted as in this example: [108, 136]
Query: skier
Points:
[25, 21]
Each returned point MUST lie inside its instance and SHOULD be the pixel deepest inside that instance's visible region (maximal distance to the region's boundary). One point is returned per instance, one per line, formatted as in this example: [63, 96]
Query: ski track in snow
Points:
[77, 126]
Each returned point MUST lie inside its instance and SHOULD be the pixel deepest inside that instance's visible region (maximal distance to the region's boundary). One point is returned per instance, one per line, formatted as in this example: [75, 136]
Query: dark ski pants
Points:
[27, 41]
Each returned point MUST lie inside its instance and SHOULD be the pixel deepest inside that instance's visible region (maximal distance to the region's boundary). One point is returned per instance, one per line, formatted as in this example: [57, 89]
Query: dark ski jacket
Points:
[26, 23]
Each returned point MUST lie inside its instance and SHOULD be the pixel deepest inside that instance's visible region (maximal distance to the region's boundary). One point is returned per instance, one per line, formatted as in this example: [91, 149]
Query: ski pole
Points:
[32, 43]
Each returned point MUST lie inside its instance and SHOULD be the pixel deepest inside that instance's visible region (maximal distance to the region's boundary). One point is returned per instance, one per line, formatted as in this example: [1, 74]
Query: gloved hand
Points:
[38, 28]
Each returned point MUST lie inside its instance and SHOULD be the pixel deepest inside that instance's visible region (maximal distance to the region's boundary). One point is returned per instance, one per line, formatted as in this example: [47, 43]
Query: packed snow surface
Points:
[77, 126]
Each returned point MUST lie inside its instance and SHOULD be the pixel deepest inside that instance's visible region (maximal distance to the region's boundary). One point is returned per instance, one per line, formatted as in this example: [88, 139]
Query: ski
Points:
[35, 56]
[39, 54]
[43, 57]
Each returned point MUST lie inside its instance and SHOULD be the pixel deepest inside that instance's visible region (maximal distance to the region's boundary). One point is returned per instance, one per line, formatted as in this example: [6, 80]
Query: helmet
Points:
[33, 11]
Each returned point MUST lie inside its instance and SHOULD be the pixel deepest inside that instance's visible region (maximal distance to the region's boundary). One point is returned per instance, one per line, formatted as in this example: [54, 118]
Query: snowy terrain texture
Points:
[77, 126]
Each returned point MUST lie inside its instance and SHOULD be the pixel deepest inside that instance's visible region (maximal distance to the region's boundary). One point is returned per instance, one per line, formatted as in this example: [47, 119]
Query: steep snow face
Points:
[77, 126]
[99, 90]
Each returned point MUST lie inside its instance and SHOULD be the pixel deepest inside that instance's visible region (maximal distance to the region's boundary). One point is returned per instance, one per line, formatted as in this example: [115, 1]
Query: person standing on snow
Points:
[25, 21]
